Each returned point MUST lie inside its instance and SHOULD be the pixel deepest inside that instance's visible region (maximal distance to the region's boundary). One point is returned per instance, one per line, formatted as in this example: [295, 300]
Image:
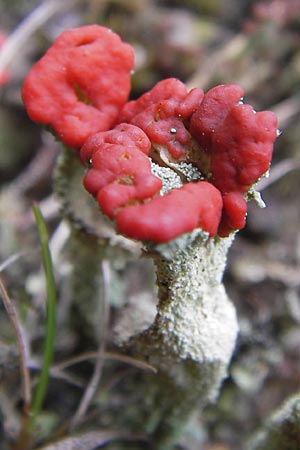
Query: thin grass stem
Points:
[42, 385]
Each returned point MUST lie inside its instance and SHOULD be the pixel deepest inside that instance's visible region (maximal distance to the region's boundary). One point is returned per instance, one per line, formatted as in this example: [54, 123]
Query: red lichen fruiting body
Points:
[160, 114]
[232, 141]
[210, 114]
[79, 86]
[123, 134]
[239, 144]
[238, 140]
[121, 169]
[242, 149]
[179, 211]
[233, 214]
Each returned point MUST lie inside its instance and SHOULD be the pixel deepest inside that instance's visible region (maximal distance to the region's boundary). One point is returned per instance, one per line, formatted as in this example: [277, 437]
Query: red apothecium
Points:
[79, 86]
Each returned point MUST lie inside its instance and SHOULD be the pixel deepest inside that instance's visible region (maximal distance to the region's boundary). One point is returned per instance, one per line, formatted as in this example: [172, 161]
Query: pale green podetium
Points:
[191, 337]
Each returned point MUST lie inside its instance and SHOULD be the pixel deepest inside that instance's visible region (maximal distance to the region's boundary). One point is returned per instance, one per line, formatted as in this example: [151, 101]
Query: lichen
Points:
[282, 430]
[192, 337]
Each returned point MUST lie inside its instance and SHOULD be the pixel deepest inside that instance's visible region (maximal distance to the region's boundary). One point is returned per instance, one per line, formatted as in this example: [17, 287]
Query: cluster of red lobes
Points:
[80, 87]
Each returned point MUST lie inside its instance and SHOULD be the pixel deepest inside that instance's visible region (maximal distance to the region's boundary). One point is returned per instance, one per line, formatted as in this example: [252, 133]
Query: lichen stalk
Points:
[281, 430]
[85, 246]
[192, 337]
[92, 239]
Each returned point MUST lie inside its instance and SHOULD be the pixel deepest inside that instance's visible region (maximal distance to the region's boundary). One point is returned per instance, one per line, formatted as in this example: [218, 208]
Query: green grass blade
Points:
[41, 388]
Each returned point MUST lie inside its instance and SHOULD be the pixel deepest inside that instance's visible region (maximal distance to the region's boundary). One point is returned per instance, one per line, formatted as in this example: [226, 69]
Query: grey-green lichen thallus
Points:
[192, 337]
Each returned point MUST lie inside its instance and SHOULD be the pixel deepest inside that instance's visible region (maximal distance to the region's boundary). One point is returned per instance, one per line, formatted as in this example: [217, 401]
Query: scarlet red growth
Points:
[121, 170]
[194, 205]
[64, 88]
[160, 114]
[238, 143]
[229, 144]
[126, 190]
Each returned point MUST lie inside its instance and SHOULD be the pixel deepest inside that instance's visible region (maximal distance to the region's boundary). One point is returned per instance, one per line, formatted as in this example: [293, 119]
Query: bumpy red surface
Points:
[179, 211]
[239, 143]
[160, 114]
[79, 86]
[229, 143]
[120, 178]
[121, 170]
[238, 140]
[234, 213]
[123, 134]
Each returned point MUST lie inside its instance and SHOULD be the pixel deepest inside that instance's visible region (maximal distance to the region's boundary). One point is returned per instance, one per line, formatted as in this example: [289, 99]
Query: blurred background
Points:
[204, 43]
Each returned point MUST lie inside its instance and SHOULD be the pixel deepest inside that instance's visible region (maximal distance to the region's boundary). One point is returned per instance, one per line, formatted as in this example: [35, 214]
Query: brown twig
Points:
[227, 52]
[39, 167]
[10, 260]
[22, 441]
[138, 363]
[278, 171]
[91, 439]
[25, 375]
[287, 109]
